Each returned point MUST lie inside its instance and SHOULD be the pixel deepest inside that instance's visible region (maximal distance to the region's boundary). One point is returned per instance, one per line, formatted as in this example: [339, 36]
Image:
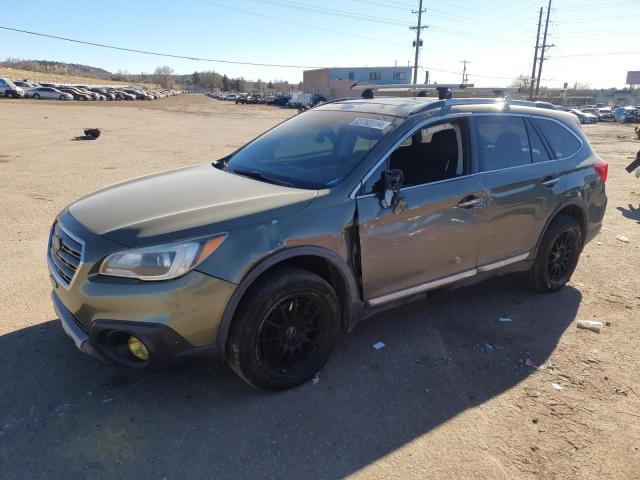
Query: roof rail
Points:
[444, 90]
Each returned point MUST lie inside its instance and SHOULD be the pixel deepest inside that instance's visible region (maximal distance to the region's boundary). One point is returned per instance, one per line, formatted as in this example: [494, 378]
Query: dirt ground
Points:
[455, 394]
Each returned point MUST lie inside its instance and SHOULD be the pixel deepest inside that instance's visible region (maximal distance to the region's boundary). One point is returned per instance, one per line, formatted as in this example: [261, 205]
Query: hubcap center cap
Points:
[290, 332]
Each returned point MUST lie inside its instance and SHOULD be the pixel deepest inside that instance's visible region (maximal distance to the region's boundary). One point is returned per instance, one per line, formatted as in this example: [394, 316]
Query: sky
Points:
[595, 43]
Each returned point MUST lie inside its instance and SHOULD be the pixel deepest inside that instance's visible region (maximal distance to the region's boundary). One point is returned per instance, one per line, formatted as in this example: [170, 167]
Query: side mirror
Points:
[393, 180]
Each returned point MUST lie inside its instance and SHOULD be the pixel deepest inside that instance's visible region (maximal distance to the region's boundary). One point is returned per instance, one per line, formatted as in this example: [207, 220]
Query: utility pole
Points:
[418, 42]
[465, 77]
[544, 49]
[535, 57]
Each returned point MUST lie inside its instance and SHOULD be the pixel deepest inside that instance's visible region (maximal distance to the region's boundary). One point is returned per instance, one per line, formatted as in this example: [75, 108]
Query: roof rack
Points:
[444, 90]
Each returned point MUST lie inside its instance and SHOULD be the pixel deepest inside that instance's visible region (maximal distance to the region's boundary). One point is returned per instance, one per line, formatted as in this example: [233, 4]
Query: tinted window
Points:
[538, 151]
[502, 142]
[2, 83]
[314, 150]
[562, 141]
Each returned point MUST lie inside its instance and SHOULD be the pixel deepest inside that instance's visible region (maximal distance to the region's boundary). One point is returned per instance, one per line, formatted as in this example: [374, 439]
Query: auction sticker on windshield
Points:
[370, 123]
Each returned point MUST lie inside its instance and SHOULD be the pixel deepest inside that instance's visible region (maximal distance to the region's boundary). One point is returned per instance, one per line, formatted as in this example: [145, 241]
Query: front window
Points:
[317, 149]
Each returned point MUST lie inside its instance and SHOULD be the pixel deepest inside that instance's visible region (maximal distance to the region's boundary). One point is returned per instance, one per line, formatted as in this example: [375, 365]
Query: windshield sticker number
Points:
[370, 123]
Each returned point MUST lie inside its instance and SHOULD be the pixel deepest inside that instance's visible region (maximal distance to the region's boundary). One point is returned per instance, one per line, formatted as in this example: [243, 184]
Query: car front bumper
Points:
[173, 318]
[106, 341]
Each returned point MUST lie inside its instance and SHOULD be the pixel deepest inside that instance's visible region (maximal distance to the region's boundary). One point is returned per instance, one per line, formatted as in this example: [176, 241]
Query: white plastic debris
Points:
[590, 325]
[556, 386]
[378, 345]
[598, 243]
[316, 379]
[504, 319]
[622, 238]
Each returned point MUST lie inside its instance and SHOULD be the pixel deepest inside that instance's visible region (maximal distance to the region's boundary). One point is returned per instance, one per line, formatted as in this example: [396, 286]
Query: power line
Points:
[293, 22]
[598, 19]
[595, 54]
[157, 54]
[591, 6]
[331, 11]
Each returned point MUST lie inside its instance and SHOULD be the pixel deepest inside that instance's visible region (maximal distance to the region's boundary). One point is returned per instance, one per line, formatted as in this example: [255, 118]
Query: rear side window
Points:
[562, 141]
[502, 142]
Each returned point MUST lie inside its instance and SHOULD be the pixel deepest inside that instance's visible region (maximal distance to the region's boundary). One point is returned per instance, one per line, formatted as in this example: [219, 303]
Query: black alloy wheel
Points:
[561, 256]
[285, 329]
[558, 255]
[291, 332]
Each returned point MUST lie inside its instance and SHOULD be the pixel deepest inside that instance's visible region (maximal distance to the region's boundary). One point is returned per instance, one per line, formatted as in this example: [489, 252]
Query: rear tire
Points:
[10, 95]
[285, 329]
[37, 97]
[557, 256]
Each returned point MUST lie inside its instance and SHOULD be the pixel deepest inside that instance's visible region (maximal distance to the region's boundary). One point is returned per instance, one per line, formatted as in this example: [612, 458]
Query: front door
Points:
[431, 237]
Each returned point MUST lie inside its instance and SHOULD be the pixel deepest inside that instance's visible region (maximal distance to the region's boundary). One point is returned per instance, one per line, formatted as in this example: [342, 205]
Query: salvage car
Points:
[9, 89]
[49, 93]
[265, 257]
[626, 115]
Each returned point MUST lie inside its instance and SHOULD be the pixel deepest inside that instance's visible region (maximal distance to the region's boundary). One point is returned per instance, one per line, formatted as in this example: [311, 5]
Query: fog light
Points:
[137, 349]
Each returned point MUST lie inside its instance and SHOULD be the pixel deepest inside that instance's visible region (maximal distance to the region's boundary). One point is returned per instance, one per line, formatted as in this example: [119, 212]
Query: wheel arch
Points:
[572, 208]
[321, 261]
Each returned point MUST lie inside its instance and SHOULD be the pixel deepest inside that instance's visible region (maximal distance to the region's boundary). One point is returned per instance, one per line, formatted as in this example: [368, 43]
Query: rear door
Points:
[433, 238]
[524, 183]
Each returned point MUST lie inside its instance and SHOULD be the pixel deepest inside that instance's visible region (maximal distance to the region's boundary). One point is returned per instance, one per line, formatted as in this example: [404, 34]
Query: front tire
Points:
[37, 97]
[285, 330]
[557, 256]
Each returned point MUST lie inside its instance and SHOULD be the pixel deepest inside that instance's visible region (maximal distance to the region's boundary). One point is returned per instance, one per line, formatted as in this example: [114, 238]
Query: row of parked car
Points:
[294, 100]
[52, 91]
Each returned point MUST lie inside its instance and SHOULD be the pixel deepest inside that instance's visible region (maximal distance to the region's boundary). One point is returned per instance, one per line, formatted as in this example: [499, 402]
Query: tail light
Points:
[602, 169]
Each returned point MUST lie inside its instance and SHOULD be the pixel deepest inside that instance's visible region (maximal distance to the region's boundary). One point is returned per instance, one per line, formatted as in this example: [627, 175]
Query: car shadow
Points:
[65, 415]
[631, 212]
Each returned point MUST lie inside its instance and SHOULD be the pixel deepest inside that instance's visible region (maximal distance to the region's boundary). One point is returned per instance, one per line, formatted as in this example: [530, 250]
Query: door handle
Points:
[470, 202]
[549, 181]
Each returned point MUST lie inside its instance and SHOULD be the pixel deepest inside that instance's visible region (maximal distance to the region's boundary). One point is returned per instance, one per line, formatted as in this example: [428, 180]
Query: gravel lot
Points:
[436, 402]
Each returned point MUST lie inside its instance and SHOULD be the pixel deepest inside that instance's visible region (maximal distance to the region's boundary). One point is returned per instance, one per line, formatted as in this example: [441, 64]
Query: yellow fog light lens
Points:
[137, 349]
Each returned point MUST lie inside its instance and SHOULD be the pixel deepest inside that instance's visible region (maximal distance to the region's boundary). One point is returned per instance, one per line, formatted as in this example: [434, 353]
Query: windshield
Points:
[316, 149]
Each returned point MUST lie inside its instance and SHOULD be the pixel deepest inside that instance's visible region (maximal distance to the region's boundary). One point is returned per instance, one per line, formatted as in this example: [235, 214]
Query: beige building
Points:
[334, 83]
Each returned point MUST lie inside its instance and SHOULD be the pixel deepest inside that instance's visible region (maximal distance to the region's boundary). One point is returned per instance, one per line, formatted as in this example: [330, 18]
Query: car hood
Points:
[184, 203]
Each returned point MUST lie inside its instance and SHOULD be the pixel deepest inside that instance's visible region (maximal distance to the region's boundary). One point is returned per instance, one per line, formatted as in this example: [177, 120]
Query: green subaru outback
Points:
[265, 257]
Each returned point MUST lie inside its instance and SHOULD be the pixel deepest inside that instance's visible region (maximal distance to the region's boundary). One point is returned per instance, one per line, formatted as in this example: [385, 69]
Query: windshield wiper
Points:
[262, 177]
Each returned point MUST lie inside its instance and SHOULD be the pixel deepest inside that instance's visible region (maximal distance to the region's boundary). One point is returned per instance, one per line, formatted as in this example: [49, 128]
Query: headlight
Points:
[160, 262]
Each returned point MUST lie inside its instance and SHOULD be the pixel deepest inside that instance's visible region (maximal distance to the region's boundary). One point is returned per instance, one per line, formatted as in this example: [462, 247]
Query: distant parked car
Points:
[77, 94]
[605, 114]
[101, 91]
[626, 115]
[49, 93]
[122, 95]
[93, 95]
[583, 117]
[138, 94]
[26, 86]
[9, 89]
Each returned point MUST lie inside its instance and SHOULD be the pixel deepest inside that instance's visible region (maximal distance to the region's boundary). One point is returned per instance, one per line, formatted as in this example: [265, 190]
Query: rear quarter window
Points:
[562, 141]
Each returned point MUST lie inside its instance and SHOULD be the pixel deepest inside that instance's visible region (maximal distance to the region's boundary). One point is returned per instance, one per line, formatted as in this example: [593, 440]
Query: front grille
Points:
[65, 254]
